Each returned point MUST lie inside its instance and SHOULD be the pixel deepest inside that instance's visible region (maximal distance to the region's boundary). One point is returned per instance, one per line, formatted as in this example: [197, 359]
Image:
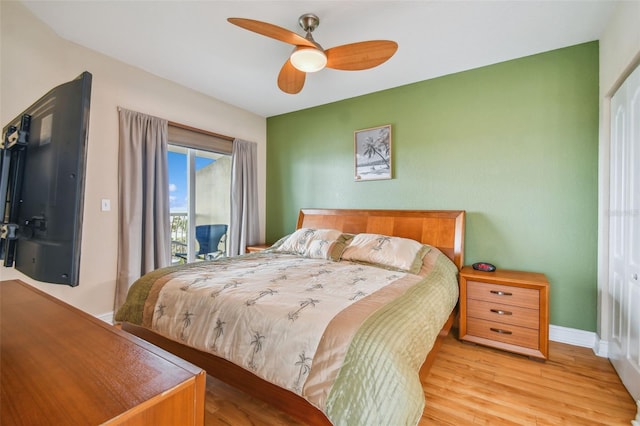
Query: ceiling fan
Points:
[309, 56]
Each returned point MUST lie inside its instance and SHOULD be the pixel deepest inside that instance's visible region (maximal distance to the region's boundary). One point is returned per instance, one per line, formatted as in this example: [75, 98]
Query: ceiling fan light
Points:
[308, 59]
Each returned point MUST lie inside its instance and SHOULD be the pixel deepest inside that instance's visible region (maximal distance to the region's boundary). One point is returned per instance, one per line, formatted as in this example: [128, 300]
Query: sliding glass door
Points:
[199, 194]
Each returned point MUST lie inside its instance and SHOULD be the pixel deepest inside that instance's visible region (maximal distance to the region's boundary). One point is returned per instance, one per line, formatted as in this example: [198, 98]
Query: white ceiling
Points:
[191, 43]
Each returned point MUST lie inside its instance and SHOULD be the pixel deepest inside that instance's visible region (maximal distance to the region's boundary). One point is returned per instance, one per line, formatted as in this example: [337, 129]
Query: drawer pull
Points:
[498, 330]
[501, 312]
[501, 293]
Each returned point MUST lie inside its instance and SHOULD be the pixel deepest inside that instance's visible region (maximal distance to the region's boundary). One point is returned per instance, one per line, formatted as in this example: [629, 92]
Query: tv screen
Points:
[42, 172]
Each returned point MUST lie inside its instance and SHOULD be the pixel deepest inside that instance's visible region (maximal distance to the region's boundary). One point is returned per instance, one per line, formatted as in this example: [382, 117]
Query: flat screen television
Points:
[42, 175]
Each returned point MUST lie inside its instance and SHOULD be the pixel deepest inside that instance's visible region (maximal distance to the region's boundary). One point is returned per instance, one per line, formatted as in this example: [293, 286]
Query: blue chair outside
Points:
[209, 238]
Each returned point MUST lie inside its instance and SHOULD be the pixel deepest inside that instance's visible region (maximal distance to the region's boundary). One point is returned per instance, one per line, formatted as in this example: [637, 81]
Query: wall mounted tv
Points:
[42, 172]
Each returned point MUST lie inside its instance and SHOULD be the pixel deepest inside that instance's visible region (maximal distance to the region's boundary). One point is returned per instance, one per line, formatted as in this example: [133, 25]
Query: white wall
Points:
[33, 61]
[213, 204]
[619, 54]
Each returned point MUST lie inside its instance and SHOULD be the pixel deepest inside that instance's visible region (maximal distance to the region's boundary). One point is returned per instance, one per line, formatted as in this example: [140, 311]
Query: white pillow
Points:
[394, 252]
[315, 243]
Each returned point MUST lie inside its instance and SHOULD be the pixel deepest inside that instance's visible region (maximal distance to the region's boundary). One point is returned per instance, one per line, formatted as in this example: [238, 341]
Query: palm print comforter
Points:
[350, 338]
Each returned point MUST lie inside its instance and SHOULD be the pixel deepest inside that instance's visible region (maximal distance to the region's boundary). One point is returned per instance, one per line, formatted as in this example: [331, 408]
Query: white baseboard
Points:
[636, 421]
[573, 336]
[108, 317]
[602, 349]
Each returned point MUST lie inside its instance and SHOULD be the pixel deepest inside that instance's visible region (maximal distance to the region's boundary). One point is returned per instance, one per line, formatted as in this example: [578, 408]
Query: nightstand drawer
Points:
[505, 314]
[503, 294]
[514, 335]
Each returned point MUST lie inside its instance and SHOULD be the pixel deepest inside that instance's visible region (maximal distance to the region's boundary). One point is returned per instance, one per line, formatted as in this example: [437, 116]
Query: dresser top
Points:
[59, 365]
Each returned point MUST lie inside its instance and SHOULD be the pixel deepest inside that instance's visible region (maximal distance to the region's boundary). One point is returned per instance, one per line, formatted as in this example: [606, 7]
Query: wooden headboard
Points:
[443, 229]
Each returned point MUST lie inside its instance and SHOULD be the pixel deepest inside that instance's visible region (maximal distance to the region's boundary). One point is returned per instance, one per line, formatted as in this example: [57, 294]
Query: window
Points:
[199, 194]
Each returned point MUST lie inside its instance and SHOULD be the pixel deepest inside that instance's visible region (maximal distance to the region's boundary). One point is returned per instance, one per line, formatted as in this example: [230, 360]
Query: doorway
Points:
[624, 233]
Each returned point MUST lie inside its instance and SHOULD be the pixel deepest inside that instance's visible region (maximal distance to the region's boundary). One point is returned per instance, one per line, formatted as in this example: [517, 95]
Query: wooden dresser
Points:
[61, 366]
[507, 310]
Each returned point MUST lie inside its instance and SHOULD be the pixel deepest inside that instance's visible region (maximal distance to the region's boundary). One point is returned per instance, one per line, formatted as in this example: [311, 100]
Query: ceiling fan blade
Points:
[360, 56]
[291, 79]
[272, 31]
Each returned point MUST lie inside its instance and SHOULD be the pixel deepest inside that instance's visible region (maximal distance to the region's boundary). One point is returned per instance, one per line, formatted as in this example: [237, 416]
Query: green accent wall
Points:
[515, 144]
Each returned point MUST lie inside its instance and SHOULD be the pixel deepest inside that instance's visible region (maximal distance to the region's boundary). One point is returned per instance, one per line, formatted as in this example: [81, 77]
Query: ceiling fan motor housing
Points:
[309, 22]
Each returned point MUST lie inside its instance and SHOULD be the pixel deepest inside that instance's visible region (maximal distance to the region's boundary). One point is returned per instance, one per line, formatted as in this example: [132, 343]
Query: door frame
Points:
[604, 313]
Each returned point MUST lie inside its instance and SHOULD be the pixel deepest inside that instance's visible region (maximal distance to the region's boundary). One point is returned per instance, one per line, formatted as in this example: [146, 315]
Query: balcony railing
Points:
[179, 227]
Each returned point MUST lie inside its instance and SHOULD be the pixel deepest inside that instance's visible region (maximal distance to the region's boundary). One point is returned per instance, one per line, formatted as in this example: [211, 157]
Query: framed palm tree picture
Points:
[373, 153]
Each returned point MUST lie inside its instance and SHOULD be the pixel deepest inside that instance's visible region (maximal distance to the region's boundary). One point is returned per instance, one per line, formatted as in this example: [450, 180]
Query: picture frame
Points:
[372, 153]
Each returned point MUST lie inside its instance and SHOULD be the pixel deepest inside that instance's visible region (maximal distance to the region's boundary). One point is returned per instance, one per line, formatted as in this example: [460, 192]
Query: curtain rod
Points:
[195, 129]
[206, 132]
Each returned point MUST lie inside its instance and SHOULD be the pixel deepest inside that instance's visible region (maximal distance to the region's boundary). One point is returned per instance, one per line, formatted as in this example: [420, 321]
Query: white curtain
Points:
[244, 228]
[143, 187]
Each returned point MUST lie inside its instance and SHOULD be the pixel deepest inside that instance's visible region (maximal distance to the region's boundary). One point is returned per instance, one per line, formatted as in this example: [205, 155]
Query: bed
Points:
[332, 324]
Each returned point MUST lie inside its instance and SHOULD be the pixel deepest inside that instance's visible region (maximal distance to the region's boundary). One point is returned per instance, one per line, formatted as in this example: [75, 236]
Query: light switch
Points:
[105, 205]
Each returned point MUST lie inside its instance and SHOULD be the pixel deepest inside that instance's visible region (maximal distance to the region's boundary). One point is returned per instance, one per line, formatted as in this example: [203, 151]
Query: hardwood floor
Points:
[474, 385]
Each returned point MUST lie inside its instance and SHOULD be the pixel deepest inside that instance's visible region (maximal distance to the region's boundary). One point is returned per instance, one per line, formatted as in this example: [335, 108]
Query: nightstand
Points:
[257, 247]
[507, 310]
